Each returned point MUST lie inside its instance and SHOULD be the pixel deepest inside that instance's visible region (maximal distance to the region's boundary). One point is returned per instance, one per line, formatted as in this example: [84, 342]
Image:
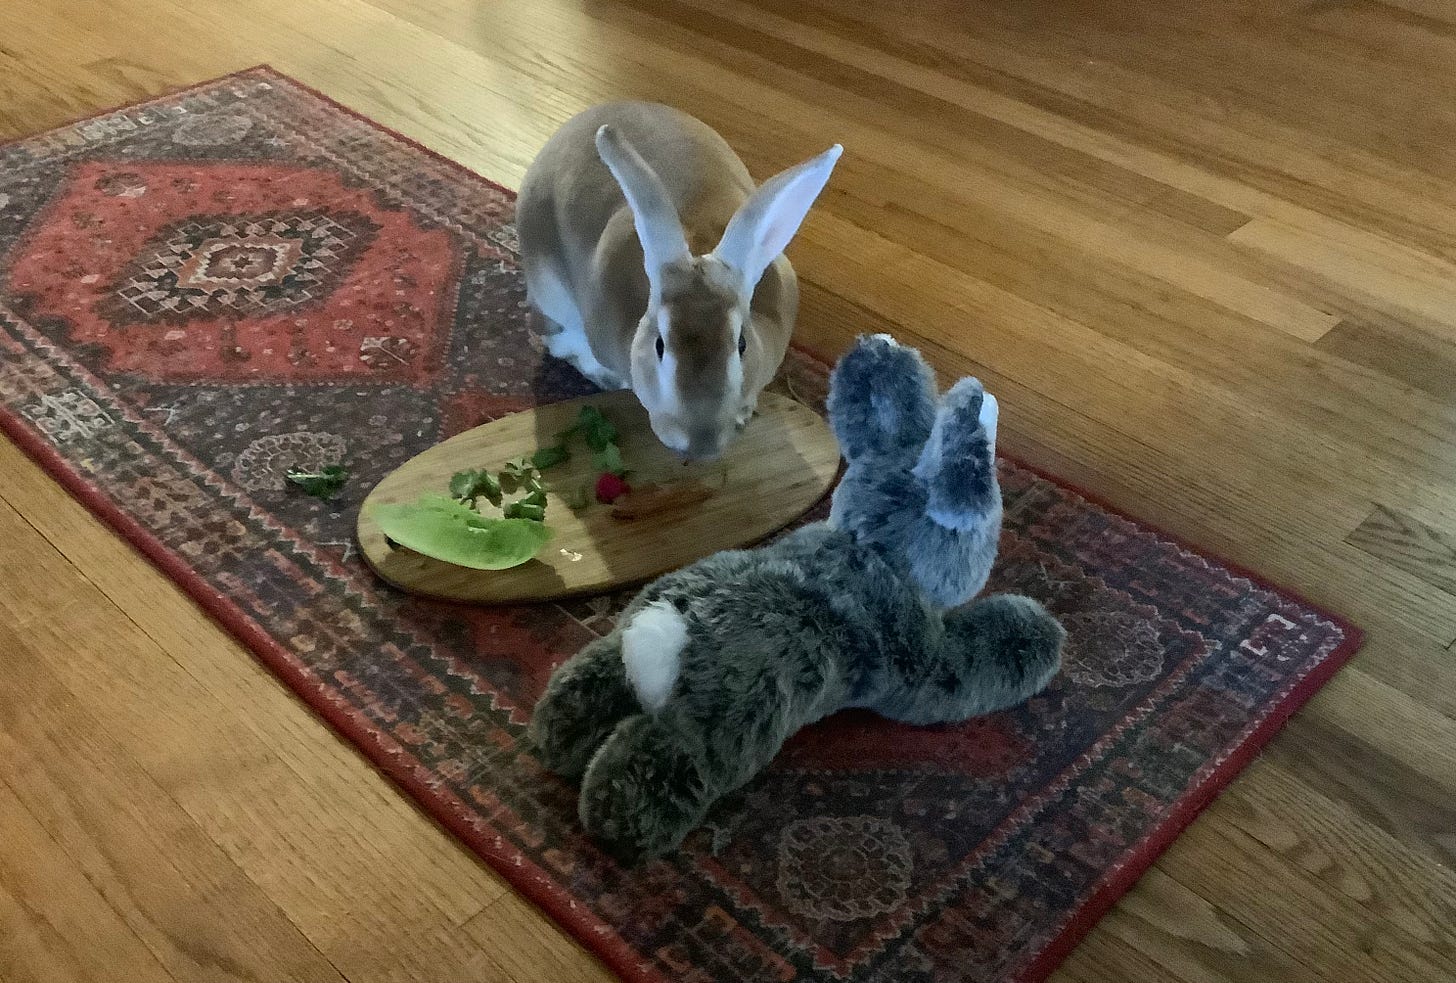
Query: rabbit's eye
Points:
[742, 344]
[659, 348]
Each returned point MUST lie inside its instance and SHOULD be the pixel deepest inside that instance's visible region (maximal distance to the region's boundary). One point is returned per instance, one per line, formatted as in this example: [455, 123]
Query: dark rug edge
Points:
[541, 890]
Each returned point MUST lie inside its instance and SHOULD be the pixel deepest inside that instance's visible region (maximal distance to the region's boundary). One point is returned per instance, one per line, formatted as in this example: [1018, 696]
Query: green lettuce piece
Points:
[443, 528]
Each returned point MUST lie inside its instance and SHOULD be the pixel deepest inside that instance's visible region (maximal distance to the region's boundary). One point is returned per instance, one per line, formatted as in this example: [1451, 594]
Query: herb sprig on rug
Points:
[324, 483]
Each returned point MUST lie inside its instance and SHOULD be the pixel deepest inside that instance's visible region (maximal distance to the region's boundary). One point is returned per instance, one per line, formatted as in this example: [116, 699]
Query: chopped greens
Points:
[525, 510]
[599, 433]
[516, 474]
[323, 483]
[453, 529]
[470, 485]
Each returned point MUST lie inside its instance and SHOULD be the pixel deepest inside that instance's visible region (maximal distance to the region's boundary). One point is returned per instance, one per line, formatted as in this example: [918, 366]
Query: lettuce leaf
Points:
[441, 527]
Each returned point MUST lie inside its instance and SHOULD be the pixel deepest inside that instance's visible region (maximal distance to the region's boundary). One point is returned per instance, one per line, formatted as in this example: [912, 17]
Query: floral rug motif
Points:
[202, 291]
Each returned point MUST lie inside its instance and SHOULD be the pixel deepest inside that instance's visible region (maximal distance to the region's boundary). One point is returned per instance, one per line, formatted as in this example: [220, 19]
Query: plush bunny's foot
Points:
[958, 464]
[1009, 645]
[996, 653]
[583, 703]
[643, 792]
[881, 399]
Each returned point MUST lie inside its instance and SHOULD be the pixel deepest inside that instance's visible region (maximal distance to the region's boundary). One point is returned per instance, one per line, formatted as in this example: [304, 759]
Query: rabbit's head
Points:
[697, 361]
[921, 476]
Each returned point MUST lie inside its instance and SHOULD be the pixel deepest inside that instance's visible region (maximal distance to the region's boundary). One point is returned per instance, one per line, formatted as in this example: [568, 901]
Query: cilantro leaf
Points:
[597, 430]
[609, 460]
[549, 457]
[516, 474]
[525, 510]
[323, 483]
[470, 485]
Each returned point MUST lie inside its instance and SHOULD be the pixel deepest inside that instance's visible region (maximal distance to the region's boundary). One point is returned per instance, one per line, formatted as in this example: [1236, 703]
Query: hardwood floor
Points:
[1205, 253]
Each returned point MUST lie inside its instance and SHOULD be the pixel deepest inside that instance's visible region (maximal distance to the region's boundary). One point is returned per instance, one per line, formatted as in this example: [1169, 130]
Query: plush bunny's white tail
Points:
[652, 647]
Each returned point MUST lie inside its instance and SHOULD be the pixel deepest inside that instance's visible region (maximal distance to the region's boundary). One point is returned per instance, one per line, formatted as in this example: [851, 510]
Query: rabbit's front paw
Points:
[745, 413]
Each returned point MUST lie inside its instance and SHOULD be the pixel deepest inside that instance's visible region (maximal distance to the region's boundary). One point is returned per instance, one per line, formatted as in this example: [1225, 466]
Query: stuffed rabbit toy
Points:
[713, 667]
[659, 266]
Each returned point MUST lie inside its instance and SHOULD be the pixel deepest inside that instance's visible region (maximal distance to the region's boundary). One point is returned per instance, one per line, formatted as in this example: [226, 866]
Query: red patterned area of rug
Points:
[203, 291]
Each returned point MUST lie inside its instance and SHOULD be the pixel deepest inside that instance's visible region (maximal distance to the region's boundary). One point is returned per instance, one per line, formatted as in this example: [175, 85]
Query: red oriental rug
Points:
[202, 291]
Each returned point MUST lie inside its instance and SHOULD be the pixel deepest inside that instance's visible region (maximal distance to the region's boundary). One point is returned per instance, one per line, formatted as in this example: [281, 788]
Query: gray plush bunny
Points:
[713, 667]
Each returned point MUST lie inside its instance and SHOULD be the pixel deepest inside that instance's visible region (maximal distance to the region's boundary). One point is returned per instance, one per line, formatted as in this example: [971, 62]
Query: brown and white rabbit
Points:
[661, 266]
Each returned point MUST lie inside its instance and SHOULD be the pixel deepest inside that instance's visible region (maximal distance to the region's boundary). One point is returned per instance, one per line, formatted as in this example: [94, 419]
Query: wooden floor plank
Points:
[1400, 350]
[538, 949]
[1177, 930]
[1326, 838]
[1410, 545]
[1089, 205]
[1323, 932]
[169, 882]
[367, 877]
[47, 904]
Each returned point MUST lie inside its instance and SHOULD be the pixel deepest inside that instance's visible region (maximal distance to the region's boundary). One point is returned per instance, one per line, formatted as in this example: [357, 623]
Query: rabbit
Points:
[711, 668]
[659, 266]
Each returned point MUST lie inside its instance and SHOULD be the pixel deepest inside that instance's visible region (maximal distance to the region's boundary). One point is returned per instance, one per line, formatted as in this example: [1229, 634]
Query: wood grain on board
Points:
[1200, 251]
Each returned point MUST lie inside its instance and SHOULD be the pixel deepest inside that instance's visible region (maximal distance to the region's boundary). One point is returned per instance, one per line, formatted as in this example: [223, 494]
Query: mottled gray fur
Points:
[864, 610]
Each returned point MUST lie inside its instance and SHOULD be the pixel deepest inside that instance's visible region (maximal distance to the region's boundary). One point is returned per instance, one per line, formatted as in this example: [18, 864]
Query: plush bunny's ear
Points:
[881, 399]
[958, 465]
[762, 228]
[657, 222]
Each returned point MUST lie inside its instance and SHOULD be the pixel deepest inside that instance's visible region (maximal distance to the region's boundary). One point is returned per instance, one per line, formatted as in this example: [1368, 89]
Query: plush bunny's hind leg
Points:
[995, 653]
[658, 774]
[644, 791]
[953, 546]
[583, 703]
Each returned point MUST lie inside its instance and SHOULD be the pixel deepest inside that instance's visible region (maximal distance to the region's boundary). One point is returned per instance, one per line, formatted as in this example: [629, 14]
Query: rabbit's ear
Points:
[762, 228]
[958, 465]
[881, 399]
[658, 226]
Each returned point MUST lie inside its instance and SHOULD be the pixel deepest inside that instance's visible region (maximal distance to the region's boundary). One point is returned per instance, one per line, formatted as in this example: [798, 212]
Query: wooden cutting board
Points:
[776, 470]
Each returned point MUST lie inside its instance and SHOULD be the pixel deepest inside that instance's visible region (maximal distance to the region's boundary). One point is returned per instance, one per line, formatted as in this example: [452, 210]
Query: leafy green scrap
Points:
[324, 483]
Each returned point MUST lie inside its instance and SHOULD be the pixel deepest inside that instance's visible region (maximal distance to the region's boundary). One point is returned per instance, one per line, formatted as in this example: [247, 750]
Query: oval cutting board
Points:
[779, 466]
